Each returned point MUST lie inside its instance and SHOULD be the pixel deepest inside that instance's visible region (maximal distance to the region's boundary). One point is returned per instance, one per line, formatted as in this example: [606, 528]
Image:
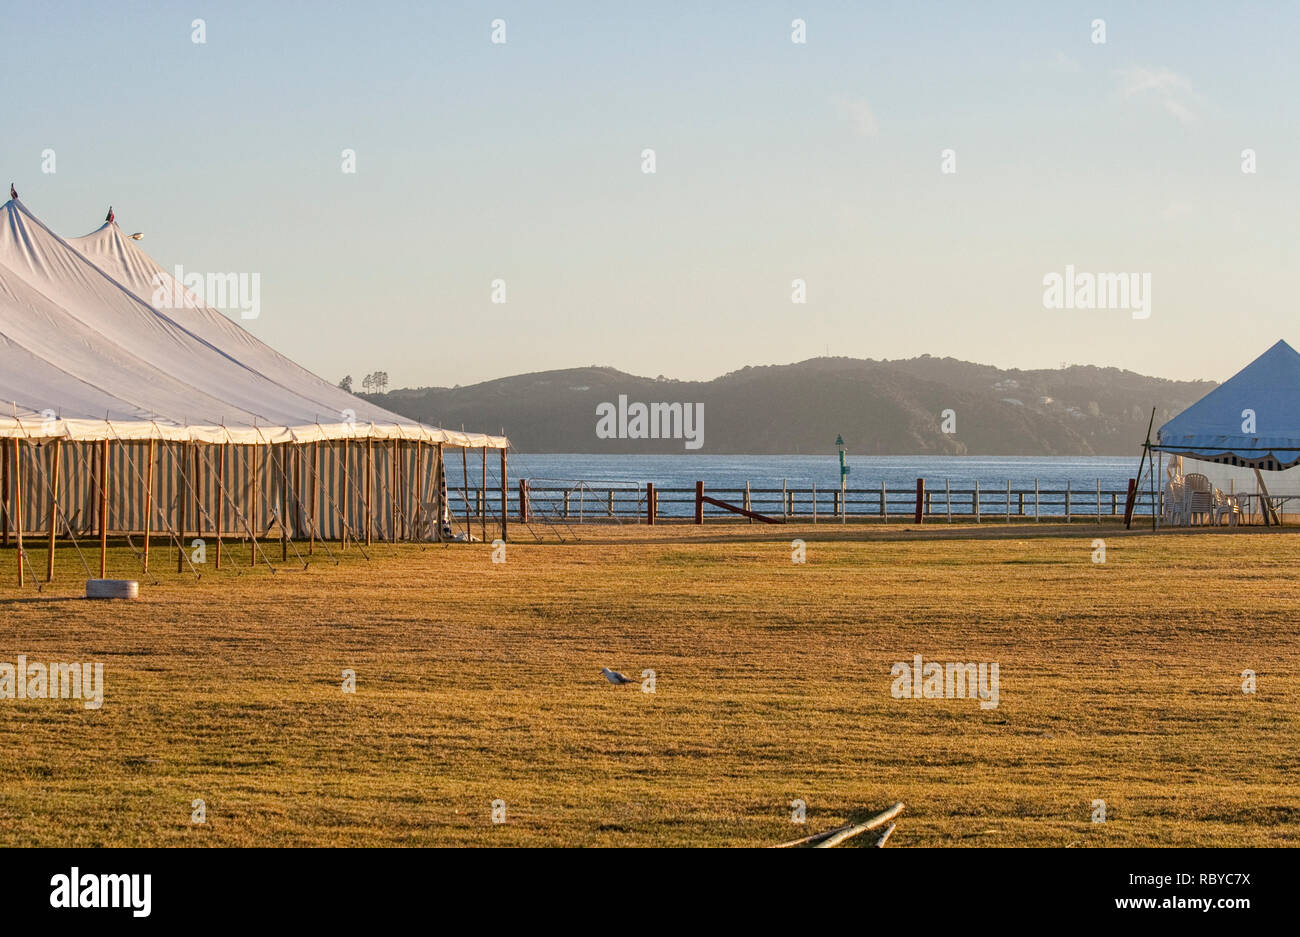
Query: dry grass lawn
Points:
[478, 681]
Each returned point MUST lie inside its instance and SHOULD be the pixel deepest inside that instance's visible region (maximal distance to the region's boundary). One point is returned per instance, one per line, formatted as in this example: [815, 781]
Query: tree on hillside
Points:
[346, 383]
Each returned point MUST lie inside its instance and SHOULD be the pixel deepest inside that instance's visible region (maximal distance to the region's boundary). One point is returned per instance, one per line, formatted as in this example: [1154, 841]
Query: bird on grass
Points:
[613, 676]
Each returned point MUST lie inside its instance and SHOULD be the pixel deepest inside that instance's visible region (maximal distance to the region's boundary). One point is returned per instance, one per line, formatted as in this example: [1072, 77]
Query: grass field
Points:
[477, 681]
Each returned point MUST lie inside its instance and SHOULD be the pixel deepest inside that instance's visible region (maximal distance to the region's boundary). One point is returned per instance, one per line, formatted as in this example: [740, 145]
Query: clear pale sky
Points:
[775, 161]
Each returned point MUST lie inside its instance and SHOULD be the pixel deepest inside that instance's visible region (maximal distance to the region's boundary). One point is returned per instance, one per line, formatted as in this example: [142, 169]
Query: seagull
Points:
[109, 219]
[13, 193]
[613, 676]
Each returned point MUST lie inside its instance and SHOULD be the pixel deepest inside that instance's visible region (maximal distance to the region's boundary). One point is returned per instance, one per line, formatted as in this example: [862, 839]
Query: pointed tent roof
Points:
[1212, 428]
[80, 338]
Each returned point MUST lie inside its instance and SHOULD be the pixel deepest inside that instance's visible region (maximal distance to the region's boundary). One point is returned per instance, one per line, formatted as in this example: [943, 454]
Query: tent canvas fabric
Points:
[85, 355]
[203, 427]
[1215, 428]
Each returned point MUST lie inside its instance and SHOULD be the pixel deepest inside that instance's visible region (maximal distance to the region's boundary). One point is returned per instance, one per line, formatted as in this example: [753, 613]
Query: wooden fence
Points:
[583, 502]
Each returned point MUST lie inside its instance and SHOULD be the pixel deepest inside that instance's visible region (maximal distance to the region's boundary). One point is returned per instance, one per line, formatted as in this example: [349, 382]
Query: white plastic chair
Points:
[1226, 505]
[1174, 513]
[1198, 500]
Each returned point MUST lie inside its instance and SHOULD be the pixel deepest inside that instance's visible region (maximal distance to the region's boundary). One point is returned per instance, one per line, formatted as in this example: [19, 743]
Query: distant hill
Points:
[880, 407]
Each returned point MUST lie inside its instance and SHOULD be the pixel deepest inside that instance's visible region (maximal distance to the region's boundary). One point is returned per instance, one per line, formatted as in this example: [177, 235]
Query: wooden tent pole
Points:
[299, 510]
[346, 496]
[197, 486]
[417, 492]
[103, 508]
[18, 507]
[370, 487]
[311, 507]
[299, 517]
[482, 497]
[182, 501]
[392, 496]
[221, 501]
[255, 455]
[4, 495]
[54, 511]
[148, 504]
[284, 505]
[504, 489]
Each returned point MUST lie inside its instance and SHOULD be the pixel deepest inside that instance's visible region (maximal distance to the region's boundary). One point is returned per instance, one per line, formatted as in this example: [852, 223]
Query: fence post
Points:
[1099, 501]
[975, 502]
[1067, 501]
[1035, 500]
[884, 510]
[920, 502]
[814, 493]
[1130, 502]
[523, 501]
[649, 503]
[947, 498]
[699, 502]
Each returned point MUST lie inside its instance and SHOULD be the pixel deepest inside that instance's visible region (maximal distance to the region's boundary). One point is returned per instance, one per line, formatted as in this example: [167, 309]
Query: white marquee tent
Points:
[117, 417]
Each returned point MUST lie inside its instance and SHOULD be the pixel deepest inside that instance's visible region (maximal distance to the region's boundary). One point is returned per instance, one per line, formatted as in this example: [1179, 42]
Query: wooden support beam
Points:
[370, 488]
[148, 506]
[831, 838]
[311, 505]
[255, 516]
[17, 507]
[103, 508]
[394, 451]
[417, 494]
[221, 499]
[4, 495]
[752, 515]
[54, 509]
[182, 501]
[345, 497]
[877, 821]
[283, 506]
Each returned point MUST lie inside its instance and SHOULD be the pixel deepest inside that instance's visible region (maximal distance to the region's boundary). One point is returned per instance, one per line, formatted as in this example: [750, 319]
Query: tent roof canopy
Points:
[85, 354]
[1252, 419]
